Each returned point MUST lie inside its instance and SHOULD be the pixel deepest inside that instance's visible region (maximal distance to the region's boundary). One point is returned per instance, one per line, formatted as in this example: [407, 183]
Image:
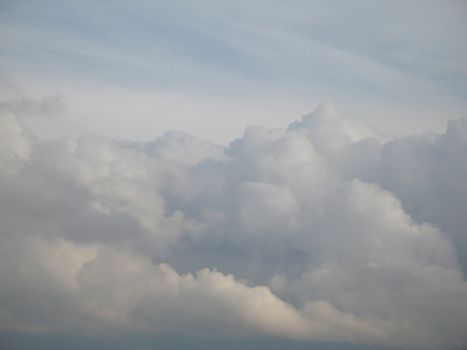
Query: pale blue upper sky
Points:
[134, 69]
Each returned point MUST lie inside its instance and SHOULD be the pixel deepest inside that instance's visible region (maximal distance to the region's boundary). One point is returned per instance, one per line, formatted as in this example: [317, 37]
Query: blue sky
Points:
[211, 68]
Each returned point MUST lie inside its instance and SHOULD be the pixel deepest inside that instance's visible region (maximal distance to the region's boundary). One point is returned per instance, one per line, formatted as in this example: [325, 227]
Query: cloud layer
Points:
[326, 231]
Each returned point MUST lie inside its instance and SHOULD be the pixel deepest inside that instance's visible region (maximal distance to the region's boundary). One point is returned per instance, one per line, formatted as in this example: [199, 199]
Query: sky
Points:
[249, 174]
[135, 69]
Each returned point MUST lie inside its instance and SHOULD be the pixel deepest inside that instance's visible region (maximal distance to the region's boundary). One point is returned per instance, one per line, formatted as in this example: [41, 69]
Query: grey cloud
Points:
[42, 107]
[325, 232]
[428, 173]
[16, 143]
[15, 100]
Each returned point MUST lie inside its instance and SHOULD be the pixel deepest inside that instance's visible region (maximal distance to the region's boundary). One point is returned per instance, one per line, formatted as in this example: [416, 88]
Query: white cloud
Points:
[328, 228]
[100, 287]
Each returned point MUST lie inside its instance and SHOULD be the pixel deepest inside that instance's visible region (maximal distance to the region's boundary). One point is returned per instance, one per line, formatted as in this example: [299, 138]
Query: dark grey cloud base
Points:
[330, 235]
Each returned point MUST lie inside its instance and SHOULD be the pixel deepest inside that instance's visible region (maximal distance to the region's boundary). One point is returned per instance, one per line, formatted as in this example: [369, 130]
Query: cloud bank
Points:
[328, 231]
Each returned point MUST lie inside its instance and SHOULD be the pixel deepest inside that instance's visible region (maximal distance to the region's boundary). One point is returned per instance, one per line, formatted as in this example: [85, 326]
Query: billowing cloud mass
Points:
[328, 231]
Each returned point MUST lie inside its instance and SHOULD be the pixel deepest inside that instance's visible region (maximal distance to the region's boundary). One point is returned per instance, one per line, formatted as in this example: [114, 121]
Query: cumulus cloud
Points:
[428, 173]
[328, 231]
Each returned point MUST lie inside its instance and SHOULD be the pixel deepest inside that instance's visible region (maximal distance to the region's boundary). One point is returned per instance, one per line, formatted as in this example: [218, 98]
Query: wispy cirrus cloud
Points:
[405, 61]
